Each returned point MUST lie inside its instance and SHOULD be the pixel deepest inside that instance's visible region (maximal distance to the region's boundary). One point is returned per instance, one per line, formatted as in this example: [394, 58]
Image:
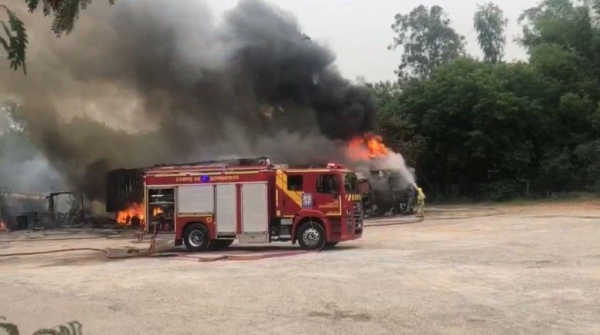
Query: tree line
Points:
[489, 129]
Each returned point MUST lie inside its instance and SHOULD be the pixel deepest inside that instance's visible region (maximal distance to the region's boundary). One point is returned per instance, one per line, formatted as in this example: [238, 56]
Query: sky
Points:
[359, 31]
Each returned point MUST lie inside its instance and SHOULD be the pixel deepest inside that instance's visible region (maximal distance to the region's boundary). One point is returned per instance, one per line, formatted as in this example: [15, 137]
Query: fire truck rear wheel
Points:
[311, 236]
[197, 237]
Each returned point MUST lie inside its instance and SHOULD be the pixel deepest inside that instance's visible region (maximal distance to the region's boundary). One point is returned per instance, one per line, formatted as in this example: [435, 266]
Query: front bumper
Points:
[354, 223]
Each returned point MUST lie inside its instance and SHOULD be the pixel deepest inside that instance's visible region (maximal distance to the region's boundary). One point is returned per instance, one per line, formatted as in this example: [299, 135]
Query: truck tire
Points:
[311, 236]
[197, 237]
[222, 244]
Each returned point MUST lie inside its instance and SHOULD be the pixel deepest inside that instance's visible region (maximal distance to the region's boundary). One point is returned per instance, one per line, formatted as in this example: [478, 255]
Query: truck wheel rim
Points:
[196, 238]
[311, 237]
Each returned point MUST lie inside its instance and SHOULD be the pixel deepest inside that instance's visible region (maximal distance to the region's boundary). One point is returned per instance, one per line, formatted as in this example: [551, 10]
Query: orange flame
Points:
[2, 226]
[366, 147]
[157, 210]
[135, 210]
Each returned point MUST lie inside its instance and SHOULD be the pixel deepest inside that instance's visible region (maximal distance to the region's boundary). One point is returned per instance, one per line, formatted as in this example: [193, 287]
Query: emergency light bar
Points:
[314, 166]
[335, 166]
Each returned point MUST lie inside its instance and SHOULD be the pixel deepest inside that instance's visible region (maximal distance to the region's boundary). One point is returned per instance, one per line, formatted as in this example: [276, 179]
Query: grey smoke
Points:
[168, 83]
[25, 172]
[24, 168]
[378, 171]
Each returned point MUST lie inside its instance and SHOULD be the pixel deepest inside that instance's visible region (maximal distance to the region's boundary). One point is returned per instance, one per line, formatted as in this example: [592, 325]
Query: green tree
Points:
[65, 13]
[489, 22]
[565, 23]
[395, 126]
[15, 40]
[491, 130]
[479, 128]
[428, 41]
[563, 39]
[589, 155]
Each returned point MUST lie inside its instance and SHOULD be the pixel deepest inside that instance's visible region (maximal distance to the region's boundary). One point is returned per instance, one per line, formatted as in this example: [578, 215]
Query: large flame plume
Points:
[125, 217]
[135, 211]
[366, 147]
[369, 152]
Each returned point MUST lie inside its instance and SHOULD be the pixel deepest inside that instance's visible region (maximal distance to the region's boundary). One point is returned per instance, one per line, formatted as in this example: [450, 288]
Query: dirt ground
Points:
[511, 269]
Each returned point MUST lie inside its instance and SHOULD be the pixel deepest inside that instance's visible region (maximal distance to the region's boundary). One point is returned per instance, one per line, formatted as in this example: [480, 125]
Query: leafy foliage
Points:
[428, 41]
[489, 22]
[493, 130]
[15, 41]
[395, 126]
[475, 123]
[65, 14]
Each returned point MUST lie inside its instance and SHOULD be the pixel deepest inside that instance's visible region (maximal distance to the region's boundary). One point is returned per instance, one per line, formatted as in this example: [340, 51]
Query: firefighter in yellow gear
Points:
[420, 203]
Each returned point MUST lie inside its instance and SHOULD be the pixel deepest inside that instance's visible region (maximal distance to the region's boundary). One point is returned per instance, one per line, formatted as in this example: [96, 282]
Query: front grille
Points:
[358, 216]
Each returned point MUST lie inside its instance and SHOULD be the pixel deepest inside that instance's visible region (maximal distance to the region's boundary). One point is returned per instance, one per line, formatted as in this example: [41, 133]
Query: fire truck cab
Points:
[209, 205]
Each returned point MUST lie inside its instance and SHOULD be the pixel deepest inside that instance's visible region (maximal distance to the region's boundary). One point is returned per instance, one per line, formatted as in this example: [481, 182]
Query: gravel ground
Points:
[531, 269]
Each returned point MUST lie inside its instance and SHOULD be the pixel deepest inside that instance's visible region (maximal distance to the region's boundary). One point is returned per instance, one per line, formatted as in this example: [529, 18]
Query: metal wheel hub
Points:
[311, 237]
[196, 238]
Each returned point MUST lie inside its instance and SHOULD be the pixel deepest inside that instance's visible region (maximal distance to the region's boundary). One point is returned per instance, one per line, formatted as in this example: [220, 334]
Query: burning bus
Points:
[385, 182]
[386, 192]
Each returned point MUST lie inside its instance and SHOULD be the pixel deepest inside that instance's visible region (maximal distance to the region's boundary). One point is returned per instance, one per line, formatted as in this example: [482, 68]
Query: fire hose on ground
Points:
[134, 253]
[130, 253]
[393, 223]
[495, 212]
[249, 257]
[491, 212]
[151, 252]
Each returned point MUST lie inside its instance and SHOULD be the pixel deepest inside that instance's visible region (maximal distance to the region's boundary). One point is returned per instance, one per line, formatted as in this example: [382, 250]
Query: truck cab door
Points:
[289, 189]
[327, 197]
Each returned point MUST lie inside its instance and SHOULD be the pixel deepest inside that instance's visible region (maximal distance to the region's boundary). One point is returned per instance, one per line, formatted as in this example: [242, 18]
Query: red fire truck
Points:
[209, 205]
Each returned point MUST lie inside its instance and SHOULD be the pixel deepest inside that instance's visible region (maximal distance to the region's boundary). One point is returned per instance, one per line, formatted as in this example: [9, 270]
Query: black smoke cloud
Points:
[252, 84]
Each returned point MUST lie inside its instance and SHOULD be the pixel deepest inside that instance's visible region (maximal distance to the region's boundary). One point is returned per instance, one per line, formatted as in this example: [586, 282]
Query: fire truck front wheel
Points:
[311, 236]
[197, 237]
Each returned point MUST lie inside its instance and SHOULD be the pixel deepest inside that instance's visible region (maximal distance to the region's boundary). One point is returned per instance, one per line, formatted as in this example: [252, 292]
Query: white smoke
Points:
[391, 162]
[395, 161]
[26, 174]
[24, 167]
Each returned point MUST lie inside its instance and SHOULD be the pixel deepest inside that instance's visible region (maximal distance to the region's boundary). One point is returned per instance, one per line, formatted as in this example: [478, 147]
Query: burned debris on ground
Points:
[57, 210]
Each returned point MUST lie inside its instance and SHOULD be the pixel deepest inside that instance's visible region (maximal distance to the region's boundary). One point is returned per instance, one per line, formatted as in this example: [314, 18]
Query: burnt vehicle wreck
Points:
[386, 192]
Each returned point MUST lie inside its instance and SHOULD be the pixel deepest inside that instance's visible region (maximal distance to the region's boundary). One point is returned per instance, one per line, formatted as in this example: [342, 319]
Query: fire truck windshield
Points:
[350, 183]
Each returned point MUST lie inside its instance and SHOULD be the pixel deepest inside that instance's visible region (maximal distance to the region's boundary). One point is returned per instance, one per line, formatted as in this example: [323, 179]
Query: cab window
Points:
[327, 184]
[295, 183]
[350, 183]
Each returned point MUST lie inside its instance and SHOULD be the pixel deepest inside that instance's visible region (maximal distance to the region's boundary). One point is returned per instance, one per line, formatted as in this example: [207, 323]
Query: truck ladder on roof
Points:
[223, 162]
